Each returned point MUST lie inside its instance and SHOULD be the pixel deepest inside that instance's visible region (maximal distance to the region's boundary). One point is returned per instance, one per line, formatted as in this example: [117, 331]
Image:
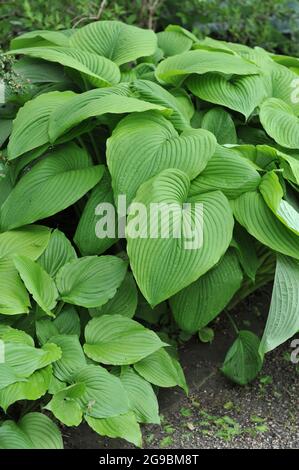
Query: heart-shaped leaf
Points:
[163, 265]
[143, 145]
[117, 41]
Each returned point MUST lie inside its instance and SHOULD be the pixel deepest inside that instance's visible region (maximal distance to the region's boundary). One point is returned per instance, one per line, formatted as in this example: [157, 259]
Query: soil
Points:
[217, 413]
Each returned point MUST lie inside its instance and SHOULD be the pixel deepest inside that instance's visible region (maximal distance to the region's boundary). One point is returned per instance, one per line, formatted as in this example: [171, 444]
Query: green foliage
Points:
[88, 324]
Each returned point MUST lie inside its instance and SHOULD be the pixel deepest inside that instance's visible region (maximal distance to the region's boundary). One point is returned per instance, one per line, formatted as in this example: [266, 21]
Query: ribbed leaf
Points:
[283, 318]
[142, 398]
[33, 431]
[220, 123]
[114, 100]
[58, 252]
[175, 69]
[163, 266]
[30, 127]
[40, 38]
[101, 72]
[172, 43]
[273, 193]
[226, 171]
[252, 212]
[38, 282]
[117, 340]
[154, 93]
[14, 298]
[242, 362]
[68, 321]
[143, 145]
[72, 359]
[198, 304]
[242, 94]
[124, 426]
[90, 281]
[52, 185]
[123, 303]
[161, 369]
[115, 40]
[64, 407]
[86, 238]
[35, 386]
[30, 241]
[104, 394]
[280, 122]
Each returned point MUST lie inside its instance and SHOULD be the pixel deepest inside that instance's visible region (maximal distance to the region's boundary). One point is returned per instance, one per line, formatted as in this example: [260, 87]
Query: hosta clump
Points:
[111, 111]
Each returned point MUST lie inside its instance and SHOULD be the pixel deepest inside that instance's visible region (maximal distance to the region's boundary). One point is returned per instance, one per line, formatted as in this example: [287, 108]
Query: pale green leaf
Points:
[118, 340]
[90, 281]
[198, 304]
[38, 282]
[162, 369]
[115, 40]
[283, 317]
[154, 259]
[143, 145]
[104, 394]
[124, 426]
[53, 184]
[242, 361]
[142, 398]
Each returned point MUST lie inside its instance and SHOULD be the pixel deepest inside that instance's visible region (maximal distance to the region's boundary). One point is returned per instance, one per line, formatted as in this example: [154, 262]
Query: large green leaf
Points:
[104, 394]
[90, 281]
[14, 298]
[123, 303]
[175, 69]
[283, 318]
[280, 122]
[166, 260]
[143, 145]
[115, 40]
[124, 426]
[243, 362]
[30, 127]
[98, 70]
[142, 398]
[114, 100]
[33, 431]
[58, 252]
[53, 184]
[252, 212]
[155, 93]
[273, 193]
[64, 406]
[242, 94]
[118, 340]
[162, 369]
[226, 171]
[33, 388]
[40, 38]
[72, 359]
[220, 123]
[87, 237]
[198, 304]
[38, 282]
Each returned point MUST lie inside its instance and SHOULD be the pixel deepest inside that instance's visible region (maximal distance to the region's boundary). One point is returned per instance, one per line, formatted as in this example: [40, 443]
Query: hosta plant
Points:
[110, 112]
